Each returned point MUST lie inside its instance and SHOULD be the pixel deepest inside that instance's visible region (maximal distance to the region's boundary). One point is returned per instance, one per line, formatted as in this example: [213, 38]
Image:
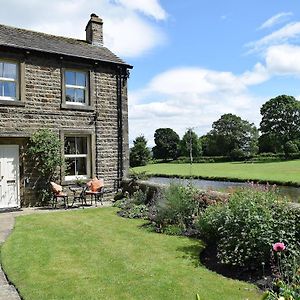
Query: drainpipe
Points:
[120, 124]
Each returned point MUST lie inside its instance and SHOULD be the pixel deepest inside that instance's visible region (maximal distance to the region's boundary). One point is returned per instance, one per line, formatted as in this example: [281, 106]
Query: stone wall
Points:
[42, 108]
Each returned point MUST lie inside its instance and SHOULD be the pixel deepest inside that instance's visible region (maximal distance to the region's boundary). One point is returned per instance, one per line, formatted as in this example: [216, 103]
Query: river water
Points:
[293, 193]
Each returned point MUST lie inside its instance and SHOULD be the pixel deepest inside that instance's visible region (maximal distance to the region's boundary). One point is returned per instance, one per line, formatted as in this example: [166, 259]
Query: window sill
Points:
[12, 103]
[77, 107]
[74, 181]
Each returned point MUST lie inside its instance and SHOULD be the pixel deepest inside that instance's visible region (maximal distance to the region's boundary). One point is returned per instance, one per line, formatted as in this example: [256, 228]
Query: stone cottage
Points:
[77, 89]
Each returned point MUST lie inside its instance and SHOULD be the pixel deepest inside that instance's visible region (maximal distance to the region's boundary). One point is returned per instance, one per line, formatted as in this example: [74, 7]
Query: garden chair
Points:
[57, 193]
[95, 188]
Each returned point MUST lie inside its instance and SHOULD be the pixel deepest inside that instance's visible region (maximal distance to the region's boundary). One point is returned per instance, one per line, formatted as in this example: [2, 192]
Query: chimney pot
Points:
[94, 30]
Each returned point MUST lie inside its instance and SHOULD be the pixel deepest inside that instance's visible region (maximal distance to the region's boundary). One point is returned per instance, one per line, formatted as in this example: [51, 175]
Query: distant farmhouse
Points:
[77, 89]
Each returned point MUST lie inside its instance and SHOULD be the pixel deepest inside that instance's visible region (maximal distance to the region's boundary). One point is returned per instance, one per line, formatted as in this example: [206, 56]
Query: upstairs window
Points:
[8, 81]
[76, 88]
[77, 157]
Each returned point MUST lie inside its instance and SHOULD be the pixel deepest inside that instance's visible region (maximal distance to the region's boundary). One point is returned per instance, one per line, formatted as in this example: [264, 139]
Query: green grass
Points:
[277, 172]
[94, 254]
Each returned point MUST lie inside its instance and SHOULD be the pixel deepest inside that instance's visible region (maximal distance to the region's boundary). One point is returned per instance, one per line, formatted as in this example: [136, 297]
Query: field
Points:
[285, 172]
[94, 254]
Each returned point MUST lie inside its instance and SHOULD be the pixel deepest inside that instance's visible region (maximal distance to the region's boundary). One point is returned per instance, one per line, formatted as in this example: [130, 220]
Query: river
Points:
[293, 193]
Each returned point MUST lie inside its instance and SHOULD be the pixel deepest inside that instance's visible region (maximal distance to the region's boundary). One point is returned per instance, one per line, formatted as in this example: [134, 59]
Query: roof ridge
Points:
[39, 41]
[45, 34]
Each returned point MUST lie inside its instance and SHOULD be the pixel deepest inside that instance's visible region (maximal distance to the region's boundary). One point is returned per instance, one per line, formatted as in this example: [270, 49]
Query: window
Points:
[77, 157]
[8, 81]
[76, 88]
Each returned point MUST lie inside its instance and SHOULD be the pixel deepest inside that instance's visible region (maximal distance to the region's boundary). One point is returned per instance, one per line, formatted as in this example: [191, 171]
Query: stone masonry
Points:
[42, 108]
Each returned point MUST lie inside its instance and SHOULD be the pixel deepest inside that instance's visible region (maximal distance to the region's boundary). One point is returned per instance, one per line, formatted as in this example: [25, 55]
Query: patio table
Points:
[78, 194]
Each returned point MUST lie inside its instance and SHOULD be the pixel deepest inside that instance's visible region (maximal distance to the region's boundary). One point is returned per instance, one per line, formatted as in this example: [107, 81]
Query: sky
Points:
[194, 60]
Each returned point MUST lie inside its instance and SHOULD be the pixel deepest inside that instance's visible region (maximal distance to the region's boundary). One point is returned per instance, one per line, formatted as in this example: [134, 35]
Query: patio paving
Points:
[7, 222]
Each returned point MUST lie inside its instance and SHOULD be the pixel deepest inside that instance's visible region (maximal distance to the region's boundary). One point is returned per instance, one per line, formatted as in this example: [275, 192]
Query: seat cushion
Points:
[96, 184]
[56, 188]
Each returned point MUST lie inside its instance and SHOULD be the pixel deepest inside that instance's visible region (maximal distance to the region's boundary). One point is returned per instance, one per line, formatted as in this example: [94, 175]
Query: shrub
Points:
[176, 206]
[237, 154]
[131, 210]
[290, 147]
[44, 151]
[139, 197]
[245, 227]
[173, 230]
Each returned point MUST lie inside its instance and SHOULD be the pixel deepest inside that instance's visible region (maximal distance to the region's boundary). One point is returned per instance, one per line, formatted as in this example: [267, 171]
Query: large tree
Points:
[231, 135]
[281, 120]
[190, 144]
[139, 153]
[167, 144]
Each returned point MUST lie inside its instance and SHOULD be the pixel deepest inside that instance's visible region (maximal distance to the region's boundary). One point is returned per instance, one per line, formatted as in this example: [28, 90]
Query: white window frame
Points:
[4, 79]
[87, 156]
[79, 87]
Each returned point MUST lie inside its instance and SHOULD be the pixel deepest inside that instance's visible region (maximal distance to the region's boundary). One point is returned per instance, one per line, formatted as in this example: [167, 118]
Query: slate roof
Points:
[42, 42]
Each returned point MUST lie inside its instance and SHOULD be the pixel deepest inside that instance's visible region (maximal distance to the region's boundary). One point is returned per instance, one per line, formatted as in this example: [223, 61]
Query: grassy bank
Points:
[284, 172]
[94, 254]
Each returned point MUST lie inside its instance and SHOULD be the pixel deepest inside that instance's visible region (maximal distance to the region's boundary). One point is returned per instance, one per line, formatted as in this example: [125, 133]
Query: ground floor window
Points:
[77, 157]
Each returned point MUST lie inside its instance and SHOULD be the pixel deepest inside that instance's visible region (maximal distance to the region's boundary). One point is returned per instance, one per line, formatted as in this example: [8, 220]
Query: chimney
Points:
[94, 31]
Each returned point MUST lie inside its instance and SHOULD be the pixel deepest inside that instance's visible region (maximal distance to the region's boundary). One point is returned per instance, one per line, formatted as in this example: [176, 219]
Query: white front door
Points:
[9, 176]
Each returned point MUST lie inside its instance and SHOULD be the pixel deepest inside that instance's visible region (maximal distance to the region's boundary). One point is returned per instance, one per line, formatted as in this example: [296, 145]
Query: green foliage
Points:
[173, 229]
[177, 206]
[237, 154]
[139, 153]
[268, 143]
[167, 144]
[190, 141]
[201, 159]
[138, 175]
[289, 291]
[230, 132]
[245, 228]
[281, 119]
[139, 197]
[44, 151]
[290, 147]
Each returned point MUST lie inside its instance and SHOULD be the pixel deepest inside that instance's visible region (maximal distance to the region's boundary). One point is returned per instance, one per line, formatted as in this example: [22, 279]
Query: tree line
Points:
[231, 136]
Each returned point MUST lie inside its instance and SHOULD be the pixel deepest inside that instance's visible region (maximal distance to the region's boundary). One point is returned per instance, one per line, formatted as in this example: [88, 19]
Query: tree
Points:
[232, 135]
[281, 120]
[268, 143]
[190, 144]
[167, 144]
[139, 153]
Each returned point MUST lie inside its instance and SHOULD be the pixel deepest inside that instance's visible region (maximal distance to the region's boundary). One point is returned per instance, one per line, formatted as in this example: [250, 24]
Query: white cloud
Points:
[258, 75]
[287, 33]
[127, 29]
[279, 18]
[283, 60]
[188, 97]
[148, 7]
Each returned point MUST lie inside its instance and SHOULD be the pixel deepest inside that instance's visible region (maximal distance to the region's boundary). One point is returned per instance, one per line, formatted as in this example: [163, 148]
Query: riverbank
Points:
[280, 173]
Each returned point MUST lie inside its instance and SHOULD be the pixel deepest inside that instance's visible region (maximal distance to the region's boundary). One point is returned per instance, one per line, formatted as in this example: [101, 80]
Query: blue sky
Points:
[193, 60]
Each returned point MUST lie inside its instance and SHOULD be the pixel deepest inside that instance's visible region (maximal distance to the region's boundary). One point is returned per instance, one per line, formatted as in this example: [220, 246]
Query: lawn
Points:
[94, 254]
[285, 171]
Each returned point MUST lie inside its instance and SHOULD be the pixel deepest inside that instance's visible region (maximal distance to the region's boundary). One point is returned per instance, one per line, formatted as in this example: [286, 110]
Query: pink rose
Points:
[278, 247]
